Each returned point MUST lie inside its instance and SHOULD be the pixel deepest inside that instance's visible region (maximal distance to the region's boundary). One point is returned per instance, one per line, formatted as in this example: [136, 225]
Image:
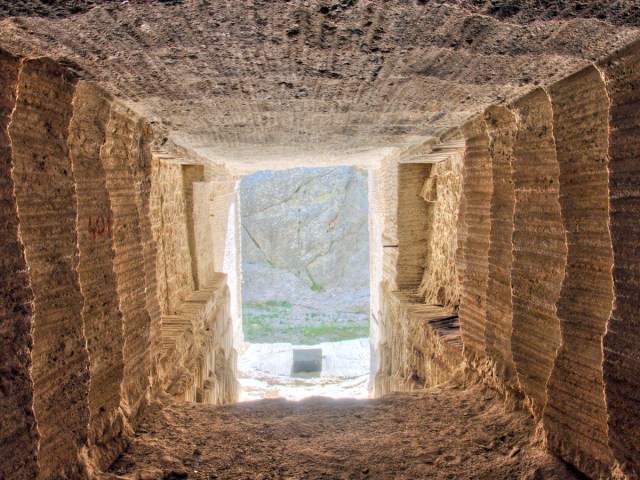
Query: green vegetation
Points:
[279, 321]
[316, 287]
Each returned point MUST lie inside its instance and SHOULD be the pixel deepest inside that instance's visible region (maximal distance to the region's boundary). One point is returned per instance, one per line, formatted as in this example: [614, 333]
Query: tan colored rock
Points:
[170, 213]
[440, 284]
[621, 353]
[122, 163]
[575, 418]
[203, 231]
[502, 130]
[141, 152]
[46, 199]
[18, 435]
[539, 247]
[101, 313]
[412, 221]
[199, 361]
[190, 175]
[477, 189]
[420, 345]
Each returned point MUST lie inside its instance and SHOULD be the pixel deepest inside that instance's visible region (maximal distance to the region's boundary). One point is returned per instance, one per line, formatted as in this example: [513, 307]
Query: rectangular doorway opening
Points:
[305, 283]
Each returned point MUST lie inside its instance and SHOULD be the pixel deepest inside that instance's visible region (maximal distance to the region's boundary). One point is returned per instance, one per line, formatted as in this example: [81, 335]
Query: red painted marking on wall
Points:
[99, 226]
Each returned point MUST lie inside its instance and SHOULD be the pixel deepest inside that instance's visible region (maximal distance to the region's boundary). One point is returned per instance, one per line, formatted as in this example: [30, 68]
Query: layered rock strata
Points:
[562, 289]
[539, 247]
[477, 190]
[19, 437]
[502, 128]
[46, 200]
[81, 333]
[121, 165]
[101, 314]
[547, 258]
[621, 355]
[575, 417]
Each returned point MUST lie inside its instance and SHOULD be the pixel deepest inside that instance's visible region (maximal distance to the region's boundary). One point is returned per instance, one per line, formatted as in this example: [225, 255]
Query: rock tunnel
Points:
[502, 143]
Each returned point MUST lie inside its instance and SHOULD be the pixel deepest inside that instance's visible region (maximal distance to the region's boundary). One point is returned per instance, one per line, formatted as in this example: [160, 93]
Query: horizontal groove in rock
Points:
[120, 163]
[621, 359]
[420, 344]
[502, 129]
[575, 415]
[101, 312]
[174, 261]
[46, 198]
[477, 190]
[18, 435]
[141, 152]
[412, 225]
[539, 248]
[440, 284]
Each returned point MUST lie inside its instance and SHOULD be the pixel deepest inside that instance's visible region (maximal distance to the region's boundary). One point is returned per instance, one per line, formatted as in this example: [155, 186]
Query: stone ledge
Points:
[421, 345]
[198, 361]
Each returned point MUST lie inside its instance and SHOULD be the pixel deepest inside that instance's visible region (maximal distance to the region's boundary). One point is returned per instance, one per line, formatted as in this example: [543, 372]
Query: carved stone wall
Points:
[564, 222]
[621, 355]
[101, 314]
[18, 436]
[46, 201]
[87, 264]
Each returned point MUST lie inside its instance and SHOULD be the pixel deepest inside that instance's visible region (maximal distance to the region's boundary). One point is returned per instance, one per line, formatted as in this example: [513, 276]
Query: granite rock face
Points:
[311, 222]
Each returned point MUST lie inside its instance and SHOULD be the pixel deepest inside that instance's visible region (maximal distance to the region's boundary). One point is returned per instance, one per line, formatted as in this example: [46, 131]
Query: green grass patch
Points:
[316, 287]
[278, 321]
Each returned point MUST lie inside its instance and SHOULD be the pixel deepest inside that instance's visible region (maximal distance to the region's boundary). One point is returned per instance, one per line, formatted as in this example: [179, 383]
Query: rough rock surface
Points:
[419, 345]
[502, 128]
[18, 435]
[447, 432]
[575, 416]
[539, 246]
[101, 314]
[621, 355]
[311, 222]
[302, 83]
[572, 171]
[121, 165]
[270, 83]
[442, 191]
[411, 229]
[477, 191]
[46, 200]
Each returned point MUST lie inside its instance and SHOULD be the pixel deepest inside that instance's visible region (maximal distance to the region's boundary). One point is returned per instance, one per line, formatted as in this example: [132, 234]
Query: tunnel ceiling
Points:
[277, 83]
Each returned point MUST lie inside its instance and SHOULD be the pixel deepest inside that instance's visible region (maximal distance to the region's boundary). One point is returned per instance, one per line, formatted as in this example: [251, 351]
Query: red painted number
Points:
[100, 226]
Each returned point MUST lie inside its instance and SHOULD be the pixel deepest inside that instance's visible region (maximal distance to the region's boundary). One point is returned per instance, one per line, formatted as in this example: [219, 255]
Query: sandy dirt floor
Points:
[445, 432]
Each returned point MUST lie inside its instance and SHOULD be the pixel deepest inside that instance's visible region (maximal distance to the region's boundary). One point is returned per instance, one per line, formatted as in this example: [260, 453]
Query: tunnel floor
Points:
[443, 432]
